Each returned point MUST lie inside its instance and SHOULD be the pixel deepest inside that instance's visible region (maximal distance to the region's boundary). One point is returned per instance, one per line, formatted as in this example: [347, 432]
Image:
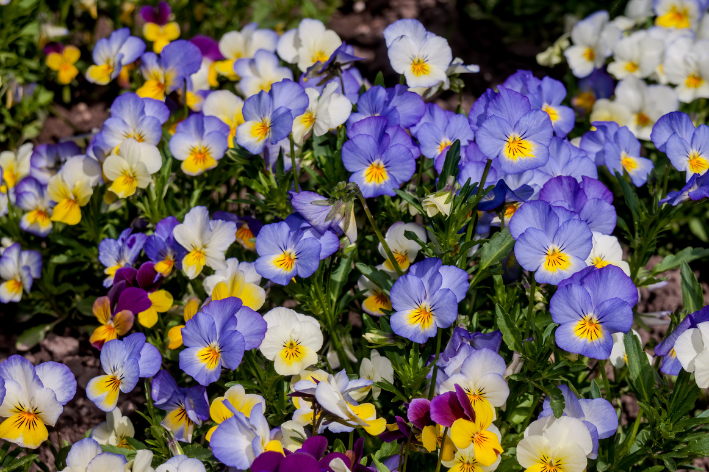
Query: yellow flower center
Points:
[675, 18]
[589, 54]
[641, 119]
[556, 260]
[697, 163]
[694, 81]
[589, 328]
[320, 56]
[285, 261]
[631, 67]
[210, 356]
[423, 315]
[598, 262]
[376, 173]
[292, 351]
[628, 163]
[261, 130]
[517, 148]
[419, 67]
[551, 111]
[443, 144]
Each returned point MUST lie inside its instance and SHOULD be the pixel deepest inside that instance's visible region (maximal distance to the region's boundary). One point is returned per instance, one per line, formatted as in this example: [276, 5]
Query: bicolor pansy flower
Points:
[32, 399]
[114, 430]
[591, 307]
[376, 297]
[687, 147]
[562, 445]
[677, 14]
[131, 168]
[398, 105]
[205, 241]
[72, 187]
[666, 349]
[226, 106]
[86, 455]
[157, 27]
[124, 363]
[166, 73]
[111, 54]
[46, 158]
[140, 119]
[480, 433]
[285, 253]
[61, 59]
[15, 165]
[238, 279]
[292, 340]
[435, 137]
[259, 72]
[200, 141]
[121, 252]
[404, 249]
[426, 299]
[325, 111]
[185, 407]
[607, 251]
[516, 135]
[236, 45]
[309, 44]
[686, 66]
[18, 268]
[32, 197]
[593, 40]
[551, 241]
[162, 248]
[622, 153]
[116, 313]
[238, 400]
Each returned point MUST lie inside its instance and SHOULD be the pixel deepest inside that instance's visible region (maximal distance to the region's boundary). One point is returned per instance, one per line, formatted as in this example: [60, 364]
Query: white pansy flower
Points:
[308, 44]
[593, 41]
[637, 55]
[325, 111]
[646, 103]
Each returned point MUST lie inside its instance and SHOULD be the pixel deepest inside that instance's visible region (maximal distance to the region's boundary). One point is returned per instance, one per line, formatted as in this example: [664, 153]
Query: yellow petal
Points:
[67, 73]
[148, 318]
[67, 211]
[191, 308]
[162, 300]
[175, 337]
[429, 438]
[24, 429]
[55, 60]
[220, 291]
[462, 433]
[71, 54]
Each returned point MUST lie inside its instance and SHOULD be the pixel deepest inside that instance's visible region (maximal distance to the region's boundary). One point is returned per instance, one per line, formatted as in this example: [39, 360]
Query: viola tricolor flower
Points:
[398, 105]
[426, 299]
[593, 38]
[237, 280]
[687, 147]
[260, 72]
[238, 400]
[217, 337]
[292, 340]
[130, 169]
[114, 430]
[111, 54]
[16, 166]
[149, 280]
[677, 14]
[564, 442]
[285, 253]
[473, 428]
[185, 407]
[17, 270]
[309, 44]
[61, 59]
[157, 27]
[121, 252]
[166, 73]
[437, 136]
[32, 197]
[404, 249]
[124, 363]
[379, 163]
[45, 157]
[607, 251]
[116, 312]
[514, 133]
[551, 241]
[325, 111]
[622, 152]
[591, 307]
[162, 249]
[200, 141]
[422, 57]
[71, 188]
[317, 210]
[269, 115]
[204, 241]
[236, 45]
[140, 119]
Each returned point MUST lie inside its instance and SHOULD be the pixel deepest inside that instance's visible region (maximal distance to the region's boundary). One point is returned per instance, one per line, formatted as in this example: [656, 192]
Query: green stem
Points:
[665, 180]
[295, 168]
[636, 426]
[606, 384]
[350, 443]
[378, 233]
[440, 453]
[528, 329]
[406, 453]
[432, 388]
[471, 228]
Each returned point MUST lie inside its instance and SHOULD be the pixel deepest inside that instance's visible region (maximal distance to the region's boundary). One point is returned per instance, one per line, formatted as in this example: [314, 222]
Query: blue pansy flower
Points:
[597, 414]
[479, 111]
[318, 212]
[565, 159]
[214, 340]
[121, 252]
[31, 196]
[591, 308]
[514, 133]
[696, 188]
[47, 158]
[426, 299]
[398, 105]
[185, 407]
[200, 141]
[593, 142]
[552, 241]
[162, 249]
[590, 199]
[436, 137]
[622, 152]
[111, 54]
[378, 164]
[124, 363]
[284, 253]
[137, 118]
[666, 349]
[269, 115]
[687, 148]
[329, 241]
[166, 73]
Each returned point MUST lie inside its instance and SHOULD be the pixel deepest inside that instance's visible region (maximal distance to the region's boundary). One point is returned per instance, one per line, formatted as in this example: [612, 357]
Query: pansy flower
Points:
[686, 66]
[226, 106]
[292, 340]
[398, 105]
[636, 55]
[671, 365]
[563, 442]
[114, 430]
[72, 187]
[166, 73]
[174, 334]
[317, 210]
[236, 45]
[551, 241]
[162, 248]
[623, 153]
[422, 57]
[116, 312]
[696, 188]
[404, 249]
[325, 111]
[591, 309]
[565, 159]
[687, 147]
[111, 54]
[590, 199]
[260, 72]
[514, 133]
[32, 197]
[647, 104]
[677, 14]
[61, 59]
[309, 44]
[217, 337]
[375, 297]
[200, 141]
[426, 299]
[437, 136]
[18, 268]
[692, 351]
[124, 363]
[205, 241]
[607, 251]
[130, 169]
[86, 455]
[285, 253]
[593, 40]
[548, 97]
[46, 157]
[140, 119]
[379, 165]
[236, 280]
[185, 407]
[121, 252]
[157, 27]
[16, 165]
[148, 279]
[32, 399]
[238, 400]
[247, 228]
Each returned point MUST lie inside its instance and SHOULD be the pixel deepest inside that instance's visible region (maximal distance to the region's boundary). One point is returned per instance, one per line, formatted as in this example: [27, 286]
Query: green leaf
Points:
[196, 451]
[641, 372]
[86, 306]
[339, 446]
[128, 453]
[687, 255]
[379, 277]
[496, 249]
[379, 79]
[135, 444]
[23, 462]
[631, 198]
[380, 467]
[557, 402]
[450, 165]
[700, 447]
[595, 389]
[510, 332]
[692, 294]
[32, 336]
[338, 279]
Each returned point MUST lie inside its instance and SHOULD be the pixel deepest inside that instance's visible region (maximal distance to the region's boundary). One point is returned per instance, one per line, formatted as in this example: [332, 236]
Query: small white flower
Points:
[132, 167]
[292, 340]
[404, 250]
[376, 369]
[646, 103]
[618, 356]
[607, 251]
[551, 439]
[308, 44]
[324, 112]
[15, 166]
[593, 39]
[236, 45]
[439, 202]
[637, 55]
[206, 241]
[114, 430]
[692, 349]
[687, 66]
[606, 110]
